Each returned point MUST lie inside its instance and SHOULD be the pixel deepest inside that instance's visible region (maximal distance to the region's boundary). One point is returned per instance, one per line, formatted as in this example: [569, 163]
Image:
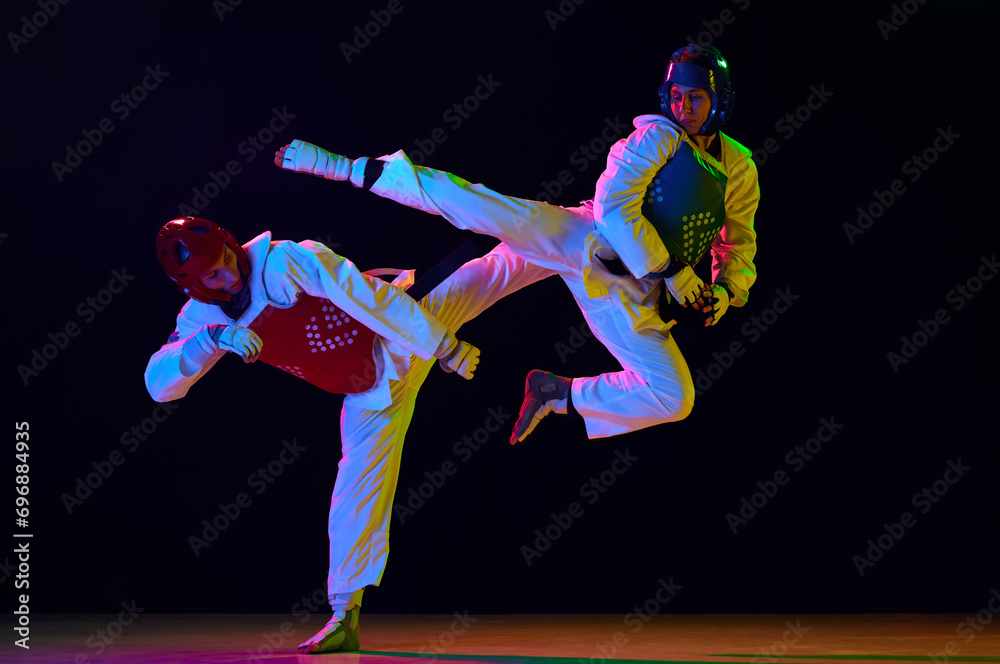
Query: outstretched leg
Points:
[655, 385]
[546, 235]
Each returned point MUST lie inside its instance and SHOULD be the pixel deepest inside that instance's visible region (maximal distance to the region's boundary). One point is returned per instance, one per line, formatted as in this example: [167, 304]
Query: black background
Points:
[558, 84]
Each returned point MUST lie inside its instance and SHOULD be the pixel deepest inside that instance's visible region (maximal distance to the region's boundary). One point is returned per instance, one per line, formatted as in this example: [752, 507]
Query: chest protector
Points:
[686, 204]
[319, 343]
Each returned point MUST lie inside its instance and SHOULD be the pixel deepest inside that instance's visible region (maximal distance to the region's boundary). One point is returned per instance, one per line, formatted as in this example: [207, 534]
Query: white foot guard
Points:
[339, 635]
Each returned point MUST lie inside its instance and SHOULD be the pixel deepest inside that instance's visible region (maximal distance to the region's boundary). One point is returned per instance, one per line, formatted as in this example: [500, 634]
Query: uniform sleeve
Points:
[385, 309]
[734, 249]
[187, 356]
[632, 164]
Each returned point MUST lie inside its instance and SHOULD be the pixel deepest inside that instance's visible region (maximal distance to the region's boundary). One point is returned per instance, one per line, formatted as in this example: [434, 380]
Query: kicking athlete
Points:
[675, 189]
[312, 313]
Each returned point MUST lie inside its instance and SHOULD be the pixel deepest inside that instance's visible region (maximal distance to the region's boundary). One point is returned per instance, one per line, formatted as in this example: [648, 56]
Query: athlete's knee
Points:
[677, 401]
[686, 404]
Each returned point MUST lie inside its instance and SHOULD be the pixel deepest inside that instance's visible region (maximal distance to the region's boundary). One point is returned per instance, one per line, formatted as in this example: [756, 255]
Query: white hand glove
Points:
[303, 157]
[459, 357]
[240, 340]
[714, 301]
[685, 286]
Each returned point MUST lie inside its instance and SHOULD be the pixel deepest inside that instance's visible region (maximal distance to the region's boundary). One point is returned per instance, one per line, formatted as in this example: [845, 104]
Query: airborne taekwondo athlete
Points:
[674, 190]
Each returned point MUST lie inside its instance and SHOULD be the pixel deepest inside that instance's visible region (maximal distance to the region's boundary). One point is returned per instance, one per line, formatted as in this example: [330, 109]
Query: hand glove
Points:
[685, 286]
[714, 301]
[303, 157]
[458, 357]
[240, 340]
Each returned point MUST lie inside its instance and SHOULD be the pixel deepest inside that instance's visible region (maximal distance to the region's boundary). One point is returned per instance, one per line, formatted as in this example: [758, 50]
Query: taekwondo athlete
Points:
[674, 190]
[310, 312]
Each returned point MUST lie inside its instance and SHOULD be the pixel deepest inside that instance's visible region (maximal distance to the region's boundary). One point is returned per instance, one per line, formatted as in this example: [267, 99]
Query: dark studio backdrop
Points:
[859, 377]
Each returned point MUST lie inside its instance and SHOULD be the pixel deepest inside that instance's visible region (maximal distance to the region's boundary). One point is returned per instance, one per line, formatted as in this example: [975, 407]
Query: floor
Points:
[513, 639]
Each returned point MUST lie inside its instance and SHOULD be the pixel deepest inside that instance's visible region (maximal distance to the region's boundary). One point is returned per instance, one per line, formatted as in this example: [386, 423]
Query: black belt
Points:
[433, 278]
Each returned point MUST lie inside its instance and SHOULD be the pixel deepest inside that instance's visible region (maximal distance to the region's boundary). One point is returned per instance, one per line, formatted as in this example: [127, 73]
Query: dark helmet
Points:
[701, 66]
[188, 247]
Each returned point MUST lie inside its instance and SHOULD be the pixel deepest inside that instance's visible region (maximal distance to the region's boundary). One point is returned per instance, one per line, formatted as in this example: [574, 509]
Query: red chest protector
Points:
[316, 341]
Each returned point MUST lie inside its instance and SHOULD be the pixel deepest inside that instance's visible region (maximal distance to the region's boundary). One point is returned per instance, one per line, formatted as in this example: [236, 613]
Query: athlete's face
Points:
[691, 106]
[224, 275]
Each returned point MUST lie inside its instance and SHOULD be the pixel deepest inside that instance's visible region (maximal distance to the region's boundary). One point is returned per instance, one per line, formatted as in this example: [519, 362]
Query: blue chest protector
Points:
[685, 203]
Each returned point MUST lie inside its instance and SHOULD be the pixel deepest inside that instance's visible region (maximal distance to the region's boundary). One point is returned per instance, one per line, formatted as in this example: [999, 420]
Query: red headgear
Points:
[188, 247]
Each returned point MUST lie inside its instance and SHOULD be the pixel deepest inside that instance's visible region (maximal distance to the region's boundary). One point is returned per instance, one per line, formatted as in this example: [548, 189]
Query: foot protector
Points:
[544, 393]
[339, 635]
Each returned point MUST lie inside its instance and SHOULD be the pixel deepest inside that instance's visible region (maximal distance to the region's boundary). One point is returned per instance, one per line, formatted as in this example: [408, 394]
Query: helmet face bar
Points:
[700, 66]
[188, 247]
